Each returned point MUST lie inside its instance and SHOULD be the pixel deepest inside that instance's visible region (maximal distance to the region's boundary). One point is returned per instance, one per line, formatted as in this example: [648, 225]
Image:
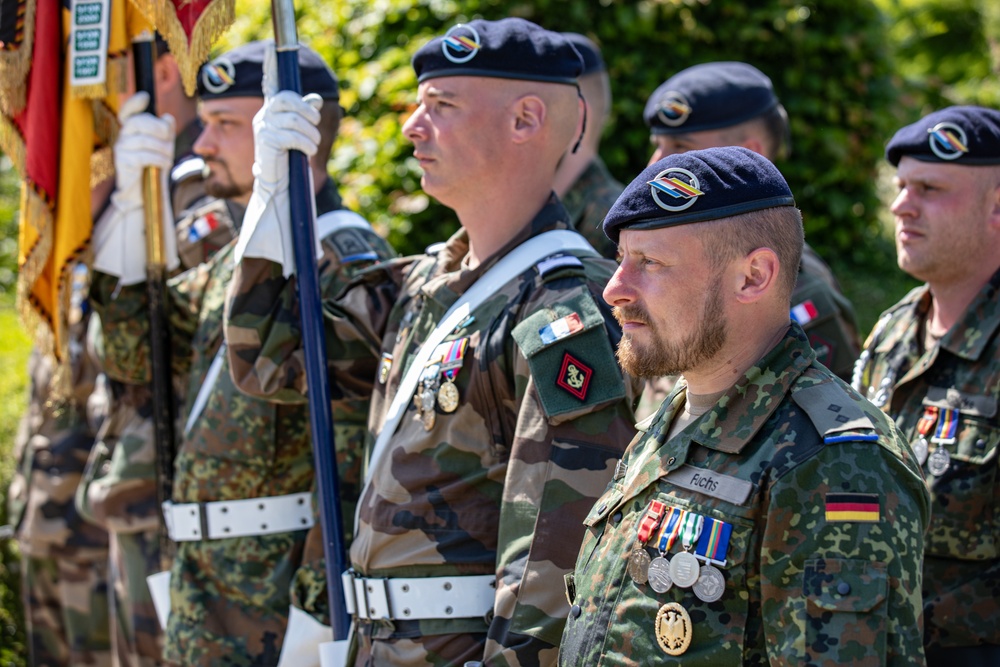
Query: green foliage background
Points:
[829, 61]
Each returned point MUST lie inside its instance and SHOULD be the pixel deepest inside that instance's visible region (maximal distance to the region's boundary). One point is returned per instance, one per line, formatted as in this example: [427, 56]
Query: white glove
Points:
[303, 636]
[119, 236]
[286, 122]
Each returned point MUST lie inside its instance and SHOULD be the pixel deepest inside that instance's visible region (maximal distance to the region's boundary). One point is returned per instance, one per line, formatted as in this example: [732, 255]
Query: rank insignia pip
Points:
[574, 376]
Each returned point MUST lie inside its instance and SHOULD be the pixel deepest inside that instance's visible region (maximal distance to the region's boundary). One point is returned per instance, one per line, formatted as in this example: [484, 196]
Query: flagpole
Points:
[144, 57]
[313, 339]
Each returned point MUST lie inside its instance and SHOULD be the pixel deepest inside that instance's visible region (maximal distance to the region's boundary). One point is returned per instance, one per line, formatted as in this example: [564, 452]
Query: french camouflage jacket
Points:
[497, 486]
[236, 447]
[810, 506]
[945, 402]
[588, 202]
[51, 448]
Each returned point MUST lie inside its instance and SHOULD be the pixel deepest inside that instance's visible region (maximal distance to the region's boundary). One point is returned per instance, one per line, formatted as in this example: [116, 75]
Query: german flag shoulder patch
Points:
[860, 507]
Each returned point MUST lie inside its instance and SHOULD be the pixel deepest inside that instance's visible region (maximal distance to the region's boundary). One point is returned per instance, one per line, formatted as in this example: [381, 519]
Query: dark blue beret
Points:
[239, 73]
[708, 97]
[962, 135]
[698, 186]
[589, 51]
[511, 48]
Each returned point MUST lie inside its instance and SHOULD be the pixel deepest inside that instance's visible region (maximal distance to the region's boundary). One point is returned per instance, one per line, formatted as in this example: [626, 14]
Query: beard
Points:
[219, 181]
[662, 357]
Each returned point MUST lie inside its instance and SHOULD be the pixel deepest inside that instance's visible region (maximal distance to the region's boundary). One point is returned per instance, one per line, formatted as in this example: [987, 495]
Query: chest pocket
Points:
[964, 521]
[717, 631]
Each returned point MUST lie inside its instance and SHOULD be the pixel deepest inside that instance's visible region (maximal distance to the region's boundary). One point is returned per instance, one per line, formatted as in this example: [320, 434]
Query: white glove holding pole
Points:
[120, 236]
[287, 121]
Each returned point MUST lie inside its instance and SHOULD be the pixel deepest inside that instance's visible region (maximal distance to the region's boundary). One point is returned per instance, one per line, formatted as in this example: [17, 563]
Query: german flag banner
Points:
[190, 27]
[62, 70]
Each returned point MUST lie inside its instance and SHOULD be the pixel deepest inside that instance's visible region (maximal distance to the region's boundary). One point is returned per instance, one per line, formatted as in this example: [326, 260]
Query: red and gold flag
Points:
[190, 27]
[59, 137]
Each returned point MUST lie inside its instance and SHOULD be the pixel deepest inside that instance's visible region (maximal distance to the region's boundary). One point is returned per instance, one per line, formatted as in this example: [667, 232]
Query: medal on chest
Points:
[945, 434]
[638, 561]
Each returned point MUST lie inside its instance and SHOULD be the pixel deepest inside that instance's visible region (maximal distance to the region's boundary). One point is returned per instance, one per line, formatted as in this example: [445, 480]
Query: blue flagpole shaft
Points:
[313, 338]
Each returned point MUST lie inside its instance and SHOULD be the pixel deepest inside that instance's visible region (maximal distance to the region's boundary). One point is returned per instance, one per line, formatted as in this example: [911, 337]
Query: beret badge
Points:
[673, 109]
[948, 141]
[219, 75]
[675, 189]
[461, 44]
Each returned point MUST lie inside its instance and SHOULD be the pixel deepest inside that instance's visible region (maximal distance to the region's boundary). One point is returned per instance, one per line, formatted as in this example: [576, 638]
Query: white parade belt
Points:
[191, 522]
[419, 598]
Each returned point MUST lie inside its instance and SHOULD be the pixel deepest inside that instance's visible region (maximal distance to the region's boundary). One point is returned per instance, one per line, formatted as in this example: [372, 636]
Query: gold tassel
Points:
[102, 166]
[12, 144]
[15, 64]
[214, 21]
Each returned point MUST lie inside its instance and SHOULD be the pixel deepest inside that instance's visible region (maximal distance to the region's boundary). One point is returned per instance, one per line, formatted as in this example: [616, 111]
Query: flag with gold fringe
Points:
[62, 70]
[190, 27]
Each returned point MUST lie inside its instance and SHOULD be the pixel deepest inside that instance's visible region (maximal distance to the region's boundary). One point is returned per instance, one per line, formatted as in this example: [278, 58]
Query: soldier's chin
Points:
[222, 190]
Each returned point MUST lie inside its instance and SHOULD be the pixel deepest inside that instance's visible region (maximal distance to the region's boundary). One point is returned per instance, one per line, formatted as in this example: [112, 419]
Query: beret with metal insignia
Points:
[962, 135]
[709, 96]
[511, 48]
[698, 186]
[239, 73]
[593, 62]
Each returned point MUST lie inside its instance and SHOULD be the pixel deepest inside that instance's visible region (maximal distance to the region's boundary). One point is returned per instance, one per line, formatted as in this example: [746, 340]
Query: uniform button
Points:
[575, 611]
[616, 518]
[670, 461]
[843, 588]
[980, 444]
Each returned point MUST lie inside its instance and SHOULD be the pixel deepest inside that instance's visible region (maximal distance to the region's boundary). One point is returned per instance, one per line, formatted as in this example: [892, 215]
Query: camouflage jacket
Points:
[945, 402]
[228, 596]
[499, 485]
[51, 449]
[826, 315]
[784, 459]
[588, 203]
[118, 491]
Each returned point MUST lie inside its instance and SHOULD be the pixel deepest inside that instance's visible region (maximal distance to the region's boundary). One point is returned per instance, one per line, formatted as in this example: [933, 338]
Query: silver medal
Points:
[684, 569]
[711, 584]
[638, 565]
[659, 575]
[939, 461]
[920, 450]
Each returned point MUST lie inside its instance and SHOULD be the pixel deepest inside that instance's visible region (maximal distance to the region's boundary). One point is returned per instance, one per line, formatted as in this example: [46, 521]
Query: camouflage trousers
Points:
[138, 637]
[372, 647]
[66, 611]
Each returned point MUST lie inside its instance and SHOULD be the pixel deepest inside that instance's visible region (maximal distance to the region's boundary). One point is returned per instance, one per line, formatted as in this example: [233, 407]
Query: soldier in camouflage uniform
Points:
[119, 488]
[584, 184]
[243, 475]
[766, 513]
[475, 490]
[733, 104]
[63, 558]
[933, 364]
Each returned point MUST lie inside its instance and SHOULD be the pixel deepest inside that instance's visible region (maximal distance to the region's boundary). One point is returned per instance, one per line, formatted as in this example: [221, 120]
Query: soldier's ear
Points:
[758, 277]
[529, 117]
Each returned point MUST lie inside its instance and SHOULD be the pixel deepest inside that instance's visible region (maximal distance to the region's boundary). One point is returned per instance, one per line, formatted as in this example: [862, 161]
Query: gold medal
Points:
[447, 397]
[427, 408]
[638, 565]
[673, 629]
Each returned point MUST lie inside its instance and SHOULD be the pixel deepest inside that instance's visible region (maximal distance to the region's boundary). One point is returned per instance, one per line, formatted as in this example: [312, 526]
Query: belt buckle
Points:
[372, 612]
[203, 520]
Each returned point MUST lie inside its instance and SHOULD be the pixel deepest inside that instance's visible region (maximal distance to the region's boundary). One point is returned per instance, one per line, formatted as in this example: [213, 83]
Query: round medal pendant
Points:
[447, 397]
[428, 418]
[684, 569]
[673, 629]
[659, 575]
[939, 461]
[638, 565]
[920, 449]
[711, 584]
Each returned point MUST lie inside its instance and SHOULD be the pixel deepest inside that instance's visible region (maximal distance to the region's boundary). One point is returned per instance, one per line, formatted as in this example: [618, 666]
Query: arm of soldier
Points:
[563, 453]
[124, 313]
[841, 588]
[264, 335]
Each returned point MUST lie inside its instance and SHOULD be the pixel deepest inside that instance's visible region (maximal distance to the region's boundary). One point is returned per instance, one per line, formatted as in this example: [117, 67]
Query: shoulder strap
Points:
[511, 265]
